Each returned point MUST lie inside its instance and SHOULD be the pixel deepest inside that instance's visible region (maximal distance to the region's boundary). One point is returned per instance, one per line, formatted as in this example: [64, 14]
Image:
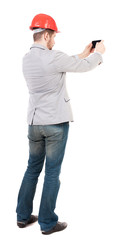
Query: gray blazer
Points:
[45, 74]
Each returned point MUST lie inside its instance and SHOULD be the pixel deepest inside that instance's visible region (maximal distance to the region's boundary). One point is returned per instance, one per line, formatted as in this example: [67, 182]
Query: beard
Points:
[49, 45]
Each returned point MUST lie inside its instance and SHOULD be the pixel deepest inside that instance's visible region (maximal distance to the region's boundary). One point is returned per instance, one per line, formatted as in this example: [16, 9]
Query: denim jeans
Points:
[46, 144]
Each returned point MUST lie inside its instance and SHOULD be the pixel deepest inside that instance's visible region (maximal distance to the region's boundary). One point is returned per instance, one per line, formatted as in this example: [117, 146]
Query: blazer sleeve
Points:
[65, 63]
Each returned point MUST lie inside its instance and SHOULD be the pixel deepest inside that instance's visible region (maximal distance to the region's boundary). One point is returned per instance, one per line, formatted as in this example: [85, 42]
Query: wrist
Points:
[96, 51]
[81, 56]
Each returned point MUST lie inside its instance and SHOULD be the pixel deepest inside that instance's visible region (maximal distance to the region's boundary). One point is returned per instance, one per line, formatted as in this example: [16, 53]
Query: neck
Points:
[40, 42]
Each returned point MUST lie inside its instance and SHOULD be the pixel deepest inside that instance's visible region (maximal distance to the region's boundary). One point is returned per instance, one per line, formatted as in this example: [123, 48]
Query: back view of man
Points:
[49, 114]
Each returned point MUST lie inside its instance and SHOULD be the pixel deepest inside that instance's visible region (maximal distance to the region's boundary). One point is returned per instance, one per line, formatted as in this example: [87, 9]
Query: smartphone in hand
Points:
[94, 43]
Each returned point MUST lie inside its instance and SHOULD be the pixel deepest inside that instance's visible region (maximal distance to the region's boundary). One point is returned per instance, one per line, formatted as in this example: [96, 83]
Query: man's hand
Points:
[88, 50]
[100, 47]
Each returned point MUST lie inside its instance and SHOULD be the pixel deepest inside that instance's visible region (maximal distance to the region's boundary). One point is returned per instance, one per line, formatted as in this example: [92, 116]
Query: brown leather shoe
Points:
[32, 219]
[60, 226]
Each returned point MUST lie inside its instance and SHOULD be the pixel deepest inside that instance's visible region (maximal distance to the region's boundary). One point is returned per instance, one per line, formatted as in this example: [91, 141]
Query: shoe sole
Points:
[53, 231]
[25, 224]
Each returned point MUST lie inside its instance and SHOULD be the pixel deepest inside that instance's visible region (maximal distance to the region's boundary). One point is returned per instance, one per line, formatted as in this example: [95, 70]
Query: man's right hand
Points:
[100, 47]
[87, 51]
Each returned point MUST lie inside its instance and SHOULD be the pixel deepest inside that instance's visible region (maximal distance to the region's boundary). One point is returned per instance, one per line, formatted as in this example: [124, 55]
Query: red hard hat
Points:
[43, 21]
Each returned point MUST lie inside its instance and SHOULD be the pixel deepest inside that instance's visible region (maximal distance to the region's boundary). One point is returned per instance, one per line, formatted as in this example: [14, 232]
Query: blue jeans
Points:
[45, 142]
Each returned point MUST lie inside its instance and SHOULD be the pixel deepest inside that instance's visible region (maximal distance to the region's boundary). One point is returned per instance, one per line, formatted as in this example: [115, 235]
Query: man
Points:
[49, 114]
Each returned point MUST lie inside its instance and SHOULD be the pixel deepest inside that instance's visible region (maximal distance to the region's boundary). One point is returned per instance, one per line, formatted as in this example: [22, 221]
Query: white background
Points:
[100, 179]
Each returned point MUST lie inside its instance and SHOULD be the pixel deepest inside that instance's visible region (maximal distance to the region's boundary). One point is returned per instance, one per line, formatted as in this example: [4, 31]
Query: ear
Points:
[46, 36]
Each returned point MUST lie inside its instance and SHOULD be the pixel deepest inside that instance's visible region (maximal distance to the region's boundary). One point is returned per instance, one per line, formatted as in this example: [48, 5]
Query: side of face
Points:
[50, 40]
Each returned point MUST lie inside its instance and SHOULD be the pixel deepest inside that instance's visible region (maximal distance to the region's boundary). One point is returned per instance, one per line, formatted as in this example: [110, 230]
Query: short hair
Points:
[38, 36]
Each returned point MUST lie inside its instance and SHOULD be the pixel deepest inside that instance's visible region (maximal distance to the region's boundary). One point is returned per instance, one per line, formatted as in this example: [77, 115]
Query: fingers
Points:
[102, 41]
[89, 46]
[92, 50]
[100, 47]
[98, 43]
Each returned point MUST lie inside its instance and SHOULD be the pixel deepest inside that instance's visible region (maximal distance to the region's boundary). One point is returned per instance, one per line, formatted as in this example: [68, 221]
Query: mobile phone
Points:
[94, 43]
